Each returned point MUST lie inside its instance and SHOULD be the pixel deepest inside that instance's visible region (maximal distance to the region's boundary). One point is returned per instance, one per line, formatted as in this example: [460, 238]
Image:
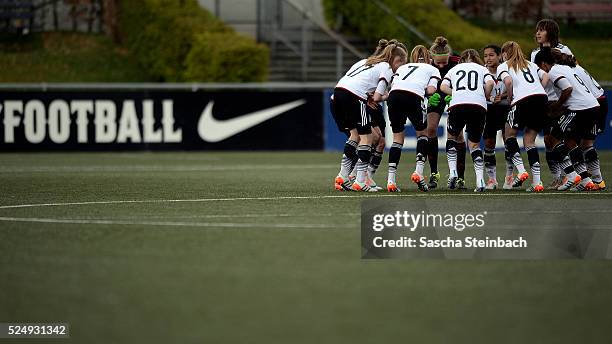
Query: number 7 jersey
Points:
[415, 77]
[525, 82]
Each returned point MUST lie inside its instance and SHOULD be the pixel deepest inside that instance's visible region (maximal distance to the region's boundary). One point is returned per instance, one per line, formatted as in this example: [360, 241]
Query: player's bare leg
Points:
[433, 121]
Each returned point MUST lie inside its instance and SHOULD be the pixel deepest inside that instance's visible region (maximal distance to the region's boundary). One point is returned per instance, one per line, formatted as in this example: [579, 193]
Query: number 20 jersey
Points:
[467, 81]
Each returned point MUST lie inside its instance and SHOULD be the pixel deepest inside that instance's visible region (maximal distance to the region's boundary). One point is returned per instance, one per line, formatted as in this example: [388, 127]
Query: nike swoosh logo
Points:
[214, 130]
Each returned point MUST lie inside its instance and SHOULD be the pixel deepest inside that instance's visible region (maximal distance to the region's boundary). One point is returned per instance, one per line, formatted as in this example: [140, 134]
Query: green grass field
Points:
[253, 247]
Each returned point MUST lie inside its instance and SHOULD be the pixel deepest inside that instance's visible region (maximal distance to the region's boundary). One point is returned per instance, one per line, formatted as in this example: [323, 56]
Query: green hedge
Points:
[167, 36]
[431, 17]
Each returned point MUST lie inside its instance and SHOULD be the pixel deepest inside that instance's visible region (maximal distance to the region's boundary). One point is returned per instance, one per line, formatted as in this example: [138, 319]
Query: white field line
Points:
[159, 168]
[174, 223]
[279, 198]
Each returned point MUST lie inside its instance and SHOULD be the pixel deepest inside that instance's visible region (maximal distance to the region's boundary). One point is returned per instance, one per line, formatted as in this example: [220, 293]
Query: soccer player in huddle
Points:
[467, 85]
[590, 153]
[375, 113]
[576, 126]
[497, 113]
[443, 59]
[548, 35]
[367, 77]
[411, 83]
[524, 84]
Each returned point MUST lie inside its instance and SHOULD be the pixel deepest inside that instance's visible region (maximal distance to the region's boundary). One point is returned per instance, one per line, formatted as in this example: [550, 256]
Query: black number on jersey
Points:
[528, 76]
[582, 83]
[412, 69]
[472, 80]
[358, 70]
[594, 82]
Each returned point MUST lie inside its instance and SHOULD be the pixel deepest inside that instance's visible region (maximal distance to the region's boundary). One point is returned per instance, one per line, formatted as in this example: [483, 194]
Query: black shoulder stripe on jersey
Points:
[557, 79]
[434, 77]
[500, 74]
[447, 79]
[385, 80]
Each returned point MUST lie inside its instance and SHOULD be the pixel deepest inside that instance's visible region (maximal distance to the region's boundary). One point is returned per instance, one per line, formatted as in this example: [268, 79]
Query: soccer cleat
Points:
[600, 186]
[536, 188]
[419, 181]
[371, 183]
[480, 186]
[434, 178]
[569, 183]
[392, 187]
[452, 182]
[585, 185]
[461, 184]
[341, 184]
[508, 183]
[363, 187]
[518, 180]
[491, 184]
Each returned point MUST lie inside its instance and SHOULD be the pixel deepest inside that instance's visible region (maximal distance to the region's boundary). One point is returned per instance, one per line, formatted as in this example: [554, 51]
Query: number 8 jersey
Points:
[467, 81]
[525, 82]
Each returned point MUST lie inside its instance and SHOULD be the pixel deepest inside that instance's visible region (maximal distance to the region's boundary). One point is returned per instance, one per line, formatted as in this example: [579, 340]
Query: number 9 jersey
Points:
[525, 82]
[581, 98]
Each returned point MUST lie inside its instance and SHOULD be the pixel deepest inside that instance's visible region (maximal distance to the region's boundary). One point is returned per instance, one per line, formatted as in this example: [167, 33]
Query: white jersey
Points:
[362, 79]
[467, 81]
[415, 77]
[525, 82]
[549, 88]
[588, 80]
[498, 89]
[581, 98]
[563, 48]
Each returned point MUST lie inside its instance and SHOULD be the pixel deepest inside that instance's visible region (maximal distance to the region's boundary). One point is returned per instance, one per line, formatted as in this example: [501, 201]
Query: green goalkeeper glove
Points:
[448, 99]
[434, 100]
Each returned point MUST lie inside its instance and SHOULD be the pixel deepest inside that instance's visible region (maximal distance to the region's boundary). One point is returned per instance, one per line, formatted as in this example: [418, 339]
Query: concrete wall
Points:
[242, 14]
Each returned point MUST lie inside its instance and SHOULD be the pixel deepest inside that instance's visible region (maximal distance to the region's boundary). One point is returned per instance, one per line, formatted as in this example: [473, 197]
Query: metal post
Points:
[258, 20]
[279, 13]
[218, 8]
[304, 51]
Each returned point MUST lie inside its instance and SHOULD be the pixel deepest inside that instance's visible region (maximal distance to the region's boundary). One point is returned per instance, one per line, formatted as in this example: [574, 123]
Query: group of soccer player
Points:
[550, 94]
